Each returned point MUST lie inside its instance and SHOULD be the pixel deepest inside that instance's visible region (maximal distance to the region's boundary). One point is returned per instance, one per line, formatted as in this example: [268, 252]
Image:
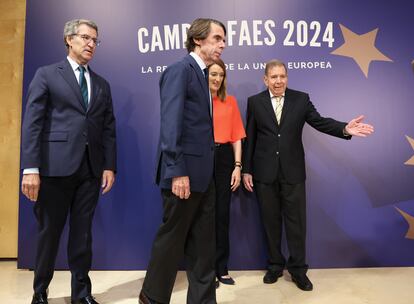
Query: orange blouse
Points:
[227, 122]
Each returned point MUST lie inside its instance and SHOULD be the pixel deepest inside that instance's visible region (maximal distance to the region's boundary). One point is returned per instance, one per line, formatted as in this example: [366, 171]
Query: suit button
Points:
[84, 134]
[277, 152]
[278, 135]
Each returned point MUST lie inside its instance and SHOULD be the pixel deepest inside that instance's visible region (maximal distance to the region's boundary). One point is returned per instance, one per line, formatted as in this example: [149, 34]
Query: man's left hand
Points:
[108, 179]
[356, 128]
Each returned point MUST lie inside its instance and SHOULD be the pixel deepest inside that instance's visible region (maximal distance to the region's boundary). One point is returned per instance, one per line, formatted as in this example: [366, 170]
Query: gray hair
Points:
[71, 28]
[274, 62]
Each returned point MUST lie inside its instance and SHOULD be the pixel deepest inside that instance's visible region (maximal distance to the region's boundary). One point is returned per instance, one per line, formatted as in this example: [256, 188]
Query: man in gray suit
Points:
[68, 153]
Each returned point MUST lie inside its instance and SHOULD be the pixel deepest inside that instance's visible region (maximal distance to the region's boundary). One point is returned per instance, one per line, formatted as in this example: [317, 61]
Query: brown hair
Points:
[222, 91]
[199, 29]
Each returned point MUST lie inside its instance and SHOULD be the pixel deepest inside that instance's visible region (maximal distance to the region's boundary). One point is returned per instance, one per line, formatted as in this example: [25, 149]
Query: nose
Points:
[92, 44]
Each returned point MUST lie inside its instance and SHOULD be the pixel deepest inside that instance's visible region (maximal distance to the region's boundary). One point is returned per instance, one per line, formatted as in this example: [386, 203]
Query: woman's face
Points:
[215, 78]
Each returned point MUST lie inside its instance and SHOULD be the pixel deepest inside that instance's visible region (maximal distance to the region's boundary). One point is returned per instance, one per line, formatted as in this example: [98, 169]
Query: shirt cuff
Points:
[31, 171]
[346, 134]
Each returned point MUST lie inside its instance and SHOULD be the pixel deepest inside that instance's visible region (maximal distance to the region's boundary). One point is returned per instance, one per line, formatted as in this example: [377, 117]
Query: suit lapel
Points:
[267, 103]
[67, 73]
[200, 76]
[287, 105]
[95, 88]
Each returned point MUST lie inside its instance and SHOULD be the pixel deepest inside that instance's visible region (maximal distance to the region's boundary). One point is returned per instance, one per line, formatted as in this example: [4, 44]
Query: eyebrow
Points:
[87, 35]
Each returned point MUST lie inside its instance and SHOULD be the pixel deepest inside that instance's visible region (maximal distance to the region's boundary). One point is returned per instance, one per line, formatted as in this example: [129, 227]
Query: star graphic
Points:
[411, 160]
[361, 48]
[410, 221]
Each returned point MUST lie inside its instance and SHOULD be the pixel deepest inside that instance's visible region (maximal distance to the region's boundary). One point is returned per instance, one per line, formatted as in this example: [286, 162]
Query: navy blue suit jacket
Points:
[57, 126]
[186, 144]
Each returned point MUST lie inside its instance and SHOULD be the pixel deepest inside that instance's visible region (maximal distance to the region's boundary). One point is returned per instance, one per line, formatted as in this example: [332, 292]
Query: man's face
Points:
[276, 80]
[211, 48]
[82, 46]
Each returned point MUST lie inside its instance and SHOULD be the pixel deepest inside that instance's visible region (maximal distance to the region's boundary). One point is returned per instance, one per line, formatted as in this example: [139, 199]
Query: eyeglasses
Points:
[87, 39]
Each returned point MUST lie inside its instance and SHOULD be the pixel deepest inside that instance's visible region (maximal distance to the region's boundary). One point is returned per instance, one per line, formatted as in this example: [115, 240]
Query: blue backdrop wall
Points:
[351, 56]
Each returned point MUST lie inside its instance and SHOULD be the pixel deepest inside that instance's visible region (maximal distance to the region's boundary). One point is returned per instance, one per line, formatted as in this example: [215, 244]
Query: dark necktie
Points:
[83, 85]
[205, 71]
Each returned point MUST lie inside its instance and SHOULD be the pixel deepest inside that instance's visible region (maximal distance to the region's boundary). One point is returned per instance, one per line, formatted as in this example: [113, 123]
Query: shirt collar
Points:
[75, 65]
[271, 95]
[199, 61]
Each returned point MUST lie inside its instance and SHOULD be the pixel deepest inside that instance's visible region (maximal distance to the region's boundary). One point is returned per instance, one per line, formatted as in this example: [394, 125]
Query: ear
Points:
[197, 41]
[69, 40]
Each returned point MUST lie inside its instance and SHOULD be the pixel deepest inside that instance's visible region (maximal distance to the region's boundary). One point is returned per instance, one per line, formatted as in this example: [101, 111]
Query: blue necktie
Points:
[83, 85]
[205, 71]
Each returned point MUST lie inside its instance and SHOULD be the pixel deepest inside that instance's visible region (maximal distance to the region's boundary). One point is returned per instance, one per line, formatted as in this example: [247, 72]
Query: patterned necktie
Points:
[83, 85]
[278, 109]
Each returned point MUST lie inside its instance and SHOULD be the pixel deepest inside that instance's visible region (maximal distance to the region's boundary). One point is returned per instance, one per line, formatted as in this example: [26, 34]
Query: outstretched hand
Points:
[356, 128]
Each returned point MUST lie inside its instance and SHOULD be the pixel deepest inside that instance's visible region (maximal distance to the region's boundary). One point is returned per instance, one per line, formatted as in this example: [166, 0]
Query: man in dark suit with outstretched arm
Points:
[273, 157]
[185, 162]
[68, 153]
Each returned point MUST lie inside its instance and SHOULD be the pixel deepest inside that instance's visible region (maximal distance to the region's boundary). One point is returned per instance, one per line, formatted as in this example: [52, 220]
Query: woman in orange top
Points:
[228, 133]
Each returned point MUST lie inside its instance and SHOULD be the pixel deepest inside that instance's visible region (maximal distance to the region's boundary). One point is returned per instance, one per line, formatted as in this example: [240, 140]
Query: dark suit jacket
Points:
[186, 144]
[268, 144]
[57, 127]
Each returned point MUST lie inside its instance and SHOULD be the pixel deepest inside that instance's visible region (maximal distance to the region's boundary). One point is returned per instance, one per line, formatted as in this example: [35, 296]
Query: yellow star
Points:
[361, 48]
[411, 160]
[410, 221]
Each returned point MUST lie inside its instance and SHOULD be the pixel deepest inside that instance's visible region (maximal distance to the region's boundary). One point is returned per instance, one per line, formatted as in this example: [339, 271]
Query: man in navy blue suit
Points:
[68, 153]
[185, 162]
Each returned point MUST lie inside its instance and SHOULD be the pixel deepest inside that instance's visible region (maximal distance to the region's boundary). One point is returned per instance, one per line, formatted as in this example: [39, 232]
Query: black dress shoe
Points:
[86, 300]
[40, 298]
[302, 282]
[143, 299]
[227, 281]
[272, 276]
